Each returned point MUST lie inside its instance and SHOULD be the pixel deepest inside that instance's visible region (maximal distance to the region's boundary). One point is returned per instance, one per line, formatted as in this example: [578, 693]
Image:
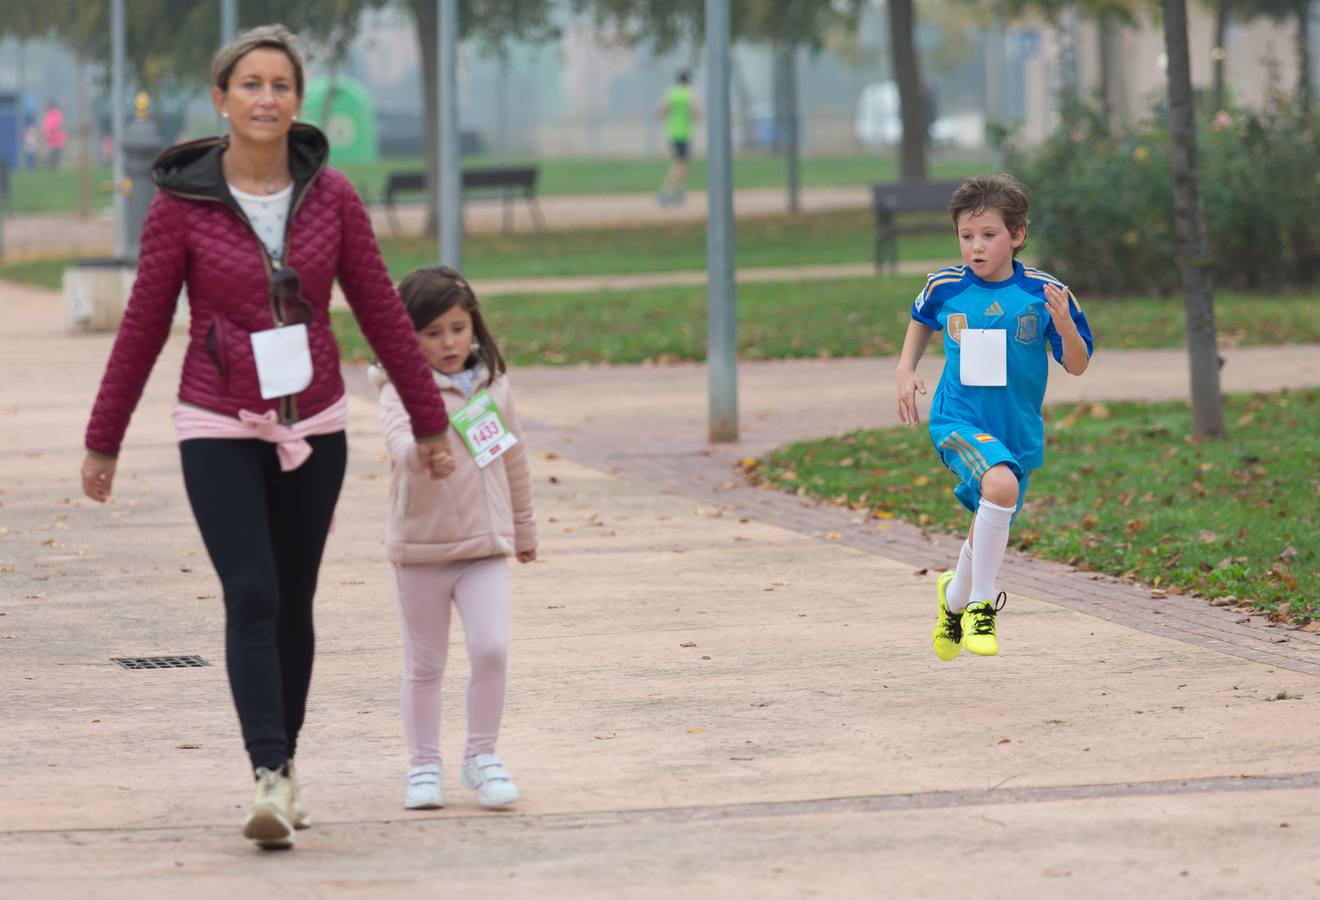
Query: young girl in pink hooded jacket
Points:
[448, 539]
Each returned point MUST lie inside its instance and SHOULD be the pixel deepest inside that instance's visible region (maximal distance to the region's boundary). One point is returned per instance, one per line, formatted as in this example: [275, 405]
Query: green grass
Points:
[1125, 490]
[643, 175]
[782, 240]
[852, 317]
[46, 190]
[43, 190]
[47, 273]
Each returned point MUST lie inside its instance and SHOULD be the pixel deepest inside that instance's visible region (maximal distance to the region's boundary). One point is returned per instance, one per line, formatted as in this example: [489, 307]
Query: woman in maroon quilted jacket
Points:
[256, 228]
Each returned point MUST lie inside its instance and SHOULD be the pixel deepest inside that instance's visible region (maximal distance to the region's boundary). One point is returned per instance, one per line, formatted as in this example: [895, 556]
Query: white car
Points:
[879, 121]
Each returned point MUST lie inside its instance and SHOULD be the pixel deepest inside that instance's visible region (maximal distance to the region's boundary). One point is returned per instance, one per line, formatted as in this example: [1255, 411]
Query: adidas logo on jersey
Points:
[994, 309]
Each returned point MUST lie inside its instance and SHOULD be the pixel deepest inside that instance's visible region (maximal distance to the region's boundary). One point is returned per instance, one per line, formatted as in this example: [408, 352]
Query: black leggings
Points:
[265, 531]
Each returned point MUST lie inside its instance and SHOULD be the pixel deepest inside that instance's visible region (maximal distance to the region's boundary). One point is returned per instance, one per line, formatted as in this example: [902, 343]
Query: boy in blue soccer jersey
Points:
[1001, 320]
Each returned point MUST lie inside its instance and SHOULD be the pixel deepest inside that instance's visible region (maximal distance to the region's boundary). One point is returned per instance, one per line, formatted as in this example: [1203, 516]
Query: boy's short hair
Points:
[1001, 192]
[275, 37]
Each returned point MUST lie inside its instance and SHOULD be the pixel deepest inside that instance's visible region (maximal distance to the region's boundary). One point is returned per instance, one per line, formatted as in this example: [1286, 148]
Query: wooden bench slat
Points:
[891, 198]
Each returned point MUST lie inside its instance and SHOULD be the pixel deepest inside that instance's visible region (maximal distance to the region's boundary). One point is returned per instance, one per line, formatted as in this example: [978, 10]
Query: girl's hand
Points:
[1056, 301]
[527, 556]
[436, 457]
[908, 387]
[98, 475]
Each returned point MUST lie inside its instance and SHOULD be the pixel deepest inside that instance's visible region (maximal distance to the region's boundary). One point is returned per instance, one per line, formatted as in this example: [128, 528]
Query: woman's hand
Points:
[526, 556]
[909, 385]
[98, 475]
[436, 457]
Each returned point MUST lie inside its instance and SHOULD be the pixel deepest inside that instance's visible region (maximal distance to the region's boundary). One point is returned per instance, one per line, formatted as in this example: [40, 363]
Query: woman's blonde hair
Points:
[276, 37]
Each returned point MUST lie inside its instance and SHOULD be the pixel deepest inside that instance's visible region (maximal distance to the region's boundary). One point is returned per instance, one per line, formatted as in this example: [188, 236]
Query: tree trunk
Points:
[1105, 40]
[424, 14]
[907, 74]
[1189, 226]
[786, 114]
[1219, 53]
[85, 139]
[1304, 56]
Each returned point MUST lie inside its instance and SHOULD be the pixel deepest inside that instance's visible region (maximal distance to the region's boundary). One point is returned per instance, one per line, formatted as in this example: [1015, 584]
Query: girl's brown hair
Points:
[276, 37]
[431, 292]
[1002, 193]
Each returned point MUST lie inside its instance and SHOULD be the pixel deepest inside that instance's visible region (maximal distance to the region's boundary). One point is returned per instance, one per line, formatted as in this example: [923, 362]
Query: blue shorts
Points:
[969, 452]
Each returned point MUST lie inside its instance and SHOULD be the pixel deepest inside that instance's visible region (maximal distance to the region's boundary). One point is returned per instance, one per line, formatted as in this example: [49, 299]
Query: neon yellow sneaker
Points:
[947, 637]
[978, 626]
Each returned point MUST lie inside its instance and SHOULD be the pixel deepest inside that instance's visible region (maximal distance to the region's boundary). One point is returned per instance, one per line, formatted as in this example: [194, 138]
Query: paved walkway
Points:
[709, 697]
[66, 234]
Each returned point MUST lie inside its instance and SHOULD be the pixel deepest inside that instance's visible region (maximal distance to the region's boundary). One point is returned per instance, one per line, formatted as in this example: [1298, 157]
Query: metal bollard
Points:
[142, 144]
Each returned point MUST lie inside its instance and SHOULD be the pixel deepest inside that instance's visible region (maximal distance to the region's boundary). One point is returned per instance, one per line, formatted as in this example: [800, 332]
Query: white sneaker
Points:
[485, 773]
[270, 820]
[297, 808]
[424, 790]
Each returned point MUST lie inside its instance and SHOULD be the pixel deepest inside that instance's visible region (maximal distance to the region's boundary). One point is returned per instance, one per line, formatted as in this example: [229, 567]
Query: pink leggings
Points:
[480, 590]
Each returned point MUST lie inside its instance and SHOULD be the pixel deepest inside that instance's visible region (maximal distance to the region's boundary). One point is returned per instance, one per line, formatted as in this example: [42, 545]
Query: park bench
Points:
[490, 183]
[892, 199]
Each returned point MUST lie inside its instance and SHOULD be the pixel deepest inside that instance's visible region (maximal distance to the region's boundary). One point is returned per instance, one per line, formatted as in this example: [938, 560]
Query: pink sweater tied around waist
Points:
[191, 422]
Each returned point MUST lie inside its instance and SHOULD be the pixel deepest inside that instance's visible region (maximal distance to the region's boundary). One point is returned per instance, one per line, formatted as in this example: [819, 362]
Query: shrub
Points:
[1102, 202]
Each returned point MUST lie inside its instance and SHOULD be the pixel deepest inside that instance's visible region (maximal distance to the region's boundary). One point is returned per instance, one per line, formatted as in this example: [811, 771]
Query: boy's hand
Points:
[1056, 300]
[908, 387]
[527, 556]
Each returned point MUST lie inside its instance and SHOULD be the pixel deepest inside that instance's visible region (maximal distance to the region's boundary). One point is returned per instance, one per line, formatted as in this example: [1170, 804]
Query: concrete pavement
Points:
[707, 697]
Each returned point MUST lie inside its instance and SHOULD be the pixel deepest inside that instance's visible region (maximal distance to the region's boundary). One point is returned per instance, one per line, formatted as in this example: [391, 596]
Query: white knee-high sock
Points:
[990, 540]
[959, 590]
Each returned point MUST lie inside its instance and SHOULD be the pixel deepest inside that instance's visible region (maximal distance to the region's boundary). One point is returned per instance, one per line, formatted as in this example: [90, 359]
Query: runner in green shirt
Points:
[678, 108]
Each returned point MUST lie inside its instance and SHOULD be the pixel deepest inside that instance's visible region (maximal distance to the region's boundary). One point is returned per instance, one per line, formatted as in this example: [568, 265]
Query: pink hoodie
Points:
[475, 512]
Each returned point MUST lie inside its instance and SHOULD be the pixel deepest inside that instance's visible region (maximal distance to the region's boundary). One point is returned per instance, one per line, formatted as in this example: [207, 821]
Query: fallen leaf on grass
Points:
[1207, 537]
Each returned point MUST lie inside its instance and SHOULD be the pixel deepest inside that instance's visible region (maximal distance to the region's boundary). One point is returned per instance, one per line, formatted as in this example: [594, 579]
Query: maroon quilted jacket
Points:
[196, 236]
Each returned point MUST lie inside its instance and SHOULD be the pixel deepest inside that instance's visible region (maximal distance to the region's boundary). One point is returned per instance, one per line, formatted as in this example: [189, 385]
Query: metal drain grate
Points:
[159, 662]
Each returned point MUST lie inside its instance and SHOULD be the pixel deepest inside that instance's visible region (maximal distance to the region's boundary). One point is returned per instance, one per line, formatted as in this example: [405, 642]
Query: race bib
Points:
[984, 358]
[483, 430]
[284, 360]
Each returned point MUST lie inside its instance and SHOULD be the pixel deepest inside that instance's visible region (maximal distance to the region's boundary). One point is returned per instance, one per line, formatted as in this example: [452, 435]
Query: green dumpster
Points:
[351, 120]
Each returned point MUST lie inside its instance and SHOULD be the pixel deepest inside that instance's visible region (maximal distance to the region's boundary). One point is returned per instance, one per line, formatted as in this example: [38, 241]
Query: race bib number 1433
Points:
[483, 429]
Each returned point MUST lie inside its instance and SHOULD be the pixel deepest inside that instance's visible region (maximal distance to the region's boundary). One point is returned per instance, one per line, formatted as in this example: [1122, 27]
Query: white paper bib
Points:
[284, 360]
[983, 357]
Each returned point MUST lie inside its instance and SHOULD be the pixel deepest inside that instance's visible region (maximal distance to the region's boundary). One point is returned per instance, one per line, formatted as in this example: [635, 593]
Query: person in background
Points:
[52, 127]
[678, 108]
[31, 142]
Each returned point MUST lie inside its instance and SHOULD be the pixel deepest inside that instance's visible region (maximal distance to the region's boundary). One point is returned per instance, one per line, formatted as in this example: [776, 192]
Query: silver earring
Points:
[476, 345]
[295, 117]
[224, 115]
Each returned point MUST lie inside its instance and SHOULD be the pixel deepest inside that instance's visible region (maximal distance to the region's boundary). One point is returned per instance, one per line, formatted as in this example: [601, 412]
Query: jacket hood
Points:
[193, 169]
[377, 375]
